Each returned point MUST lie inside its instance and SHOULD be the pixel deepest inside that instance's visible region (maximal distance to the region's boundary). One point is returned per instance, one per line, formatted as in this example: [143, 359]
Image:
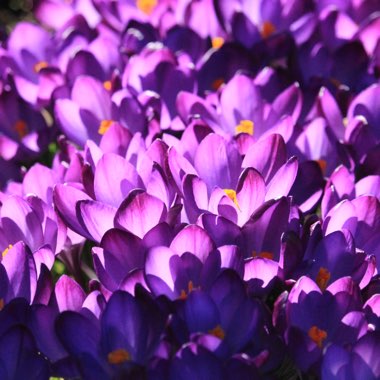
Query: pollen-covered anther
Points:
[6, 250]
[218, 332]
[323, 278]
[263, 255]
[105, 126]
[267, 29]
[2, 303]
[217, 83]
[39, 66]
[118, 356]
[322, 164]
[217, 42]
[232, 195]
[146, 6]
[317, 335]
[107, 85]
[245, 126]
[190, 287]
[21, 128]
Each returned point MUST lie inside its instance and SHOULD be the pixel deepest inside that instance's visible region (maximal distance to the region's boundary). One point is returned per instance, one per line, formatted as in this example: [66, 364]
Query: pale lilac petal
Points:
[66, 199]
[193, 239]
[139, 213]
[114, 178]
[266, 156]
[218, 162]
[96, 217]
[283, 180]
[250, 194]
[69, 295]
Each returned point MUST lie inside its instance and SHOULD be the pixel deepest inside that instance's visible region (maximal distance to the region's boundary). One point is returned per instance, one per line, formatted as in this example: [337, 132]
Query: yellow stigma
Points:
[6, 250]
[217, 42]
[146, 6]
[232, 195]
[105, 126]
[263, 254]
[317, 335]
[218, 332]
[190, 288]
[107, 85]
[345, 121]
[118, 356]
[21, 128]
[39, 66]
[245, 126]
[323, 278]
[217, 83]
[267, 29]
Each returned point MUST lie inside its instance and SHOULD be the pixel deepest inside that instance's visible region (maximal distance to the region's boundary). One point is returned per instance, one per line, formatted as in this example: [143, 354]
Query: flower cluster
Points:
[190, 190]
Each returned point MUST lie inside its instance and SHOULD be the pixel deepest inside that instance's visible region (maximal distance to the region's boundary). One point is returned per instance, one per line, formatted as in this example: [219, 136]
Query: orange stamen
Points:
[317, 335]
[218, 332]
[267, 29]
[105, 126]
[6, 250]
[39, 66]
[245, 126]
[217, 83]
[21, 128]
[107, 85]
[146, 6]
[118, 356]
[217, 42]
[263, 254]
[232, 195]
[190, 287]
[323, 278]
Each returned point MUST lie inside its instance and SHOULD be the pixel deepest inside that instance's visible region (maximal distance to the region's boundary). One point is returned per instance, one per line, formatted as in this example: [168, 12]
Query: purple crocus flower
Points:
[157, 69]
[87, 115]
[114, 345]
[242, 109]
[32, 49]
[360, 217]
[334, 257]
[24, 132]
[31, 221]
[219, 188]
[215, 312]
[20, 357]
[359, 362]
[316, 318]
[56, 13]
[341, 185]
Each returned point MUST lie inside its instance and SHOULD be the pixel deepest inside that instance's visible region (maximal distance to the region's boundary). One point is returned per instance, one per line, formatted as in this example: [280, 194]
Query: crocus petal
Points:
[250, 194]
[193, 239]
[217, 162]
[21, 272]
[69, 294]
[283, 180]
[139, 213]
[97, 217]
[266, 156]
[157, 270]
[66, 199]
[114, 178]
[78, 125]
